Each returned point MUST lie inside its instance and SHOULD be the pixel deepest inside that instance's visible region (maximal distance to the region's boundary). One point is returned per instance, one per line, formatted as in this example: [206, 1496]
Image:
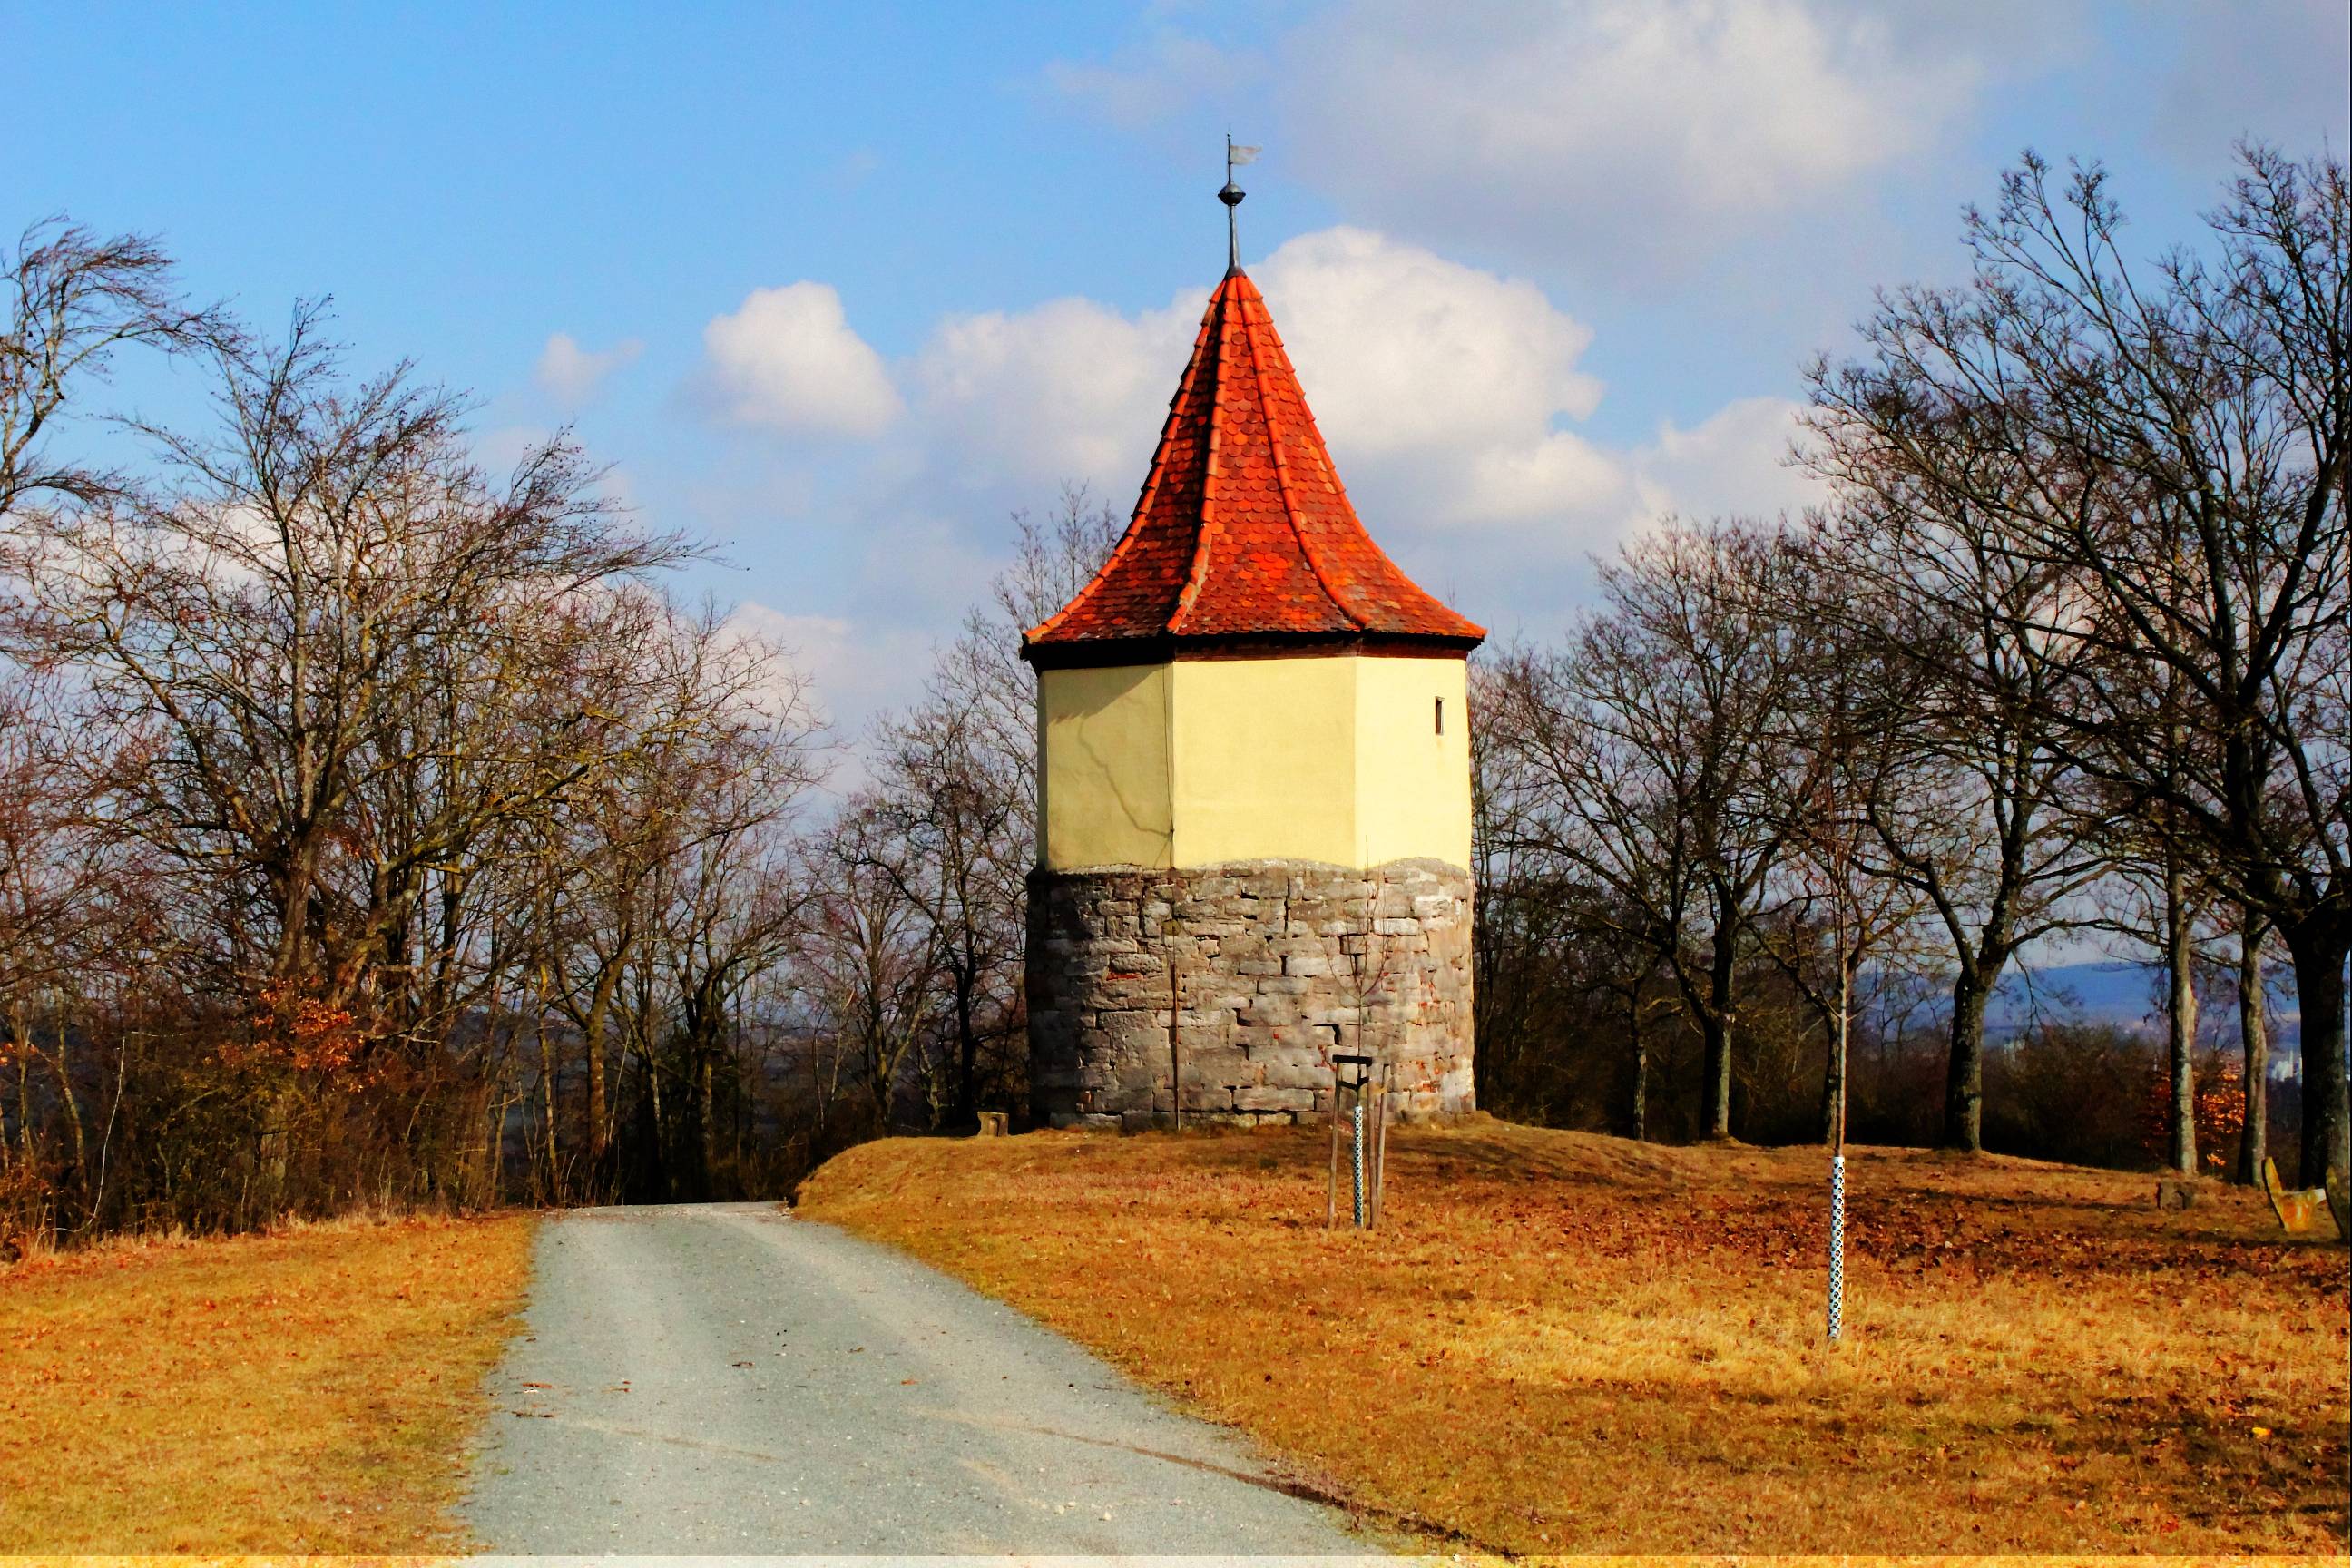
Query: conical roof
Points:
[1243, 537]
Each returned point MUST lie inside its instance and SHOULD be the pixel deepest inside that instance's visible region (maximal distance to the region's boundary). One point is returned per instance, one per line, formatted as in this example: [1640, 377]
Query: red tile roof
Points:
[1244, 535]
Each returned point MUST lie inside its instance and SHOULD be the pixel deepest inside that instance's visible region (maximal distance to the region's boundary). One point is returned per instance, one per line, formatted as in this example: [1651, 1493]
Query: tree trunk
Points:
[656, 1147]
[706, 1126]
[1715, 1029]
[966, 1107]
[1640, 1106]
[2253, 1031]
[1716, 1113]
[600, 1011]
[72, 1103]
[1964, 1071]
[2318, 945]
[1834, 1067]
[2181, 1021]
[547, 1109]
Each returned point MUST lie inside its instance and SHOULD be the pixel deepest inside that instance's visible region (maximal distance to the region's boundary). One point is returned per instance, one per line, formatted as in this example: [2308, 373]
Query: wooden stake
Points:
[1331, 1195]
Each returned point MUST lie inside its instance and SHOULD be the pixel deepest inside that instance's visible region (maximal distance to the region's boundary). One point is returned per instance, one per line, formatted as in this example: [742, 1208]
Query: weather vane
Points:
[1231, 197]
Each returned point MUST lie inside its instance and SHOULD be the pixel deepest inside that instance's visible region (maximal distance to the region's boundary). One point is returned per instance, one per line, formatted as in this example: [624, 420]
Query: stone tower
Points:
[1254, 768]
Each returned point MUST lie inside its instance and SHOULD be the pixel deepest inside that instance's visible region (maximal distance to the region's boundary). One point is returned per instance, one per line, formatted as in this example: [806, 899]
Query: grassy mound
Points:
[306, 1392]
[1566, 1342]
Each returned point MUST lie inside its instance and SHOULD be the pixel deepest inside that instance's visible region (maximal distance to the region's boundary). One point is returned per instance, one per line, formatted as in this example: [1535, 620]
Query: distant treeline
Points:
[374, 829]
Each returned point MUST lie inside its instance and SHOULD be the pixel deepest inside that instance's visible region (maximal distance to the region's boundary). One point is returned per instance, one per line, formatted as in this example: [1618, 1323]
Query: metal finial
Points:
[1231, 197]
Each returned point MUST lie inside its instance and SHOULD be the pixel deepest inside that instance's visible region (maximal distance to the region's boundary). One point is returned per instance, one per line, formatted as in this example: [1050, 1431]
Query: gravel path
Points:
[724, 1378]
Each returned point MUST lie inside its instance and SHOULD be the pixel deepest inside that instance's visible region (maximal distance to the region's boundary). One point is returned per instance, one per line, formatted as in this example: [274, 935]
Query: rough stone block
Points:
[1265, 956]
[1267, 1099]
[1298, 1072]
[1273, 1009]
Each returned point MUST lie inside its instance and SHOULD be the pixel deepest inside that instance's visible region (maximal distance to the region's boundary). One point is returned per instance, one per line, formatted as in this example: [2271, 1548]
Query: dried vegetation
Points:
[1565, 1343]
[308, 1392]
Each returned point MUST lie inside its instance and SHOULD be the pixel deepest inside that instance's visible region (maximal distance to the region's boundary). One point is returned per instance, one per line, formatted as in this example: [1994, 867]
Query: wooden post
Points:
[1175, 1011]
[1331, 1194]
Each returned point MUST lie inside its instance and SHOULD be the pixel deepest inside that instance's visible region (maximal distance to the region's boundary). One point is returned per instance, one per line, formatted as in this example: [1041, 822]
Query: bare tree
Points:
[1582, 857]
[2171, 447]
[2254, 1034]
[1661, 738]
[1974, 806]
[1852, 744]
[953, 810]
[274, 622]
[868, 955]
[73, 300]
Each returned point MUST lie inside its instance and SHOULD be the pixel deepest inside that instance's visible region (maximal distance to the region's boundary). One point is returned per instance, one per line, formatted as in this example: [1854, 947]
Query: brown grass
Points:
[1572, 1343]
[308, 1392]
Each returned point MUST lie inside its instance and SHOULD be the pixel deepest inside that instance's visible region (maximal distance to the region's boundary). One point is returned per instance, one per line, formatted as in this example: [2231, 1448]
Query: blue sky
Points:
[842, 286]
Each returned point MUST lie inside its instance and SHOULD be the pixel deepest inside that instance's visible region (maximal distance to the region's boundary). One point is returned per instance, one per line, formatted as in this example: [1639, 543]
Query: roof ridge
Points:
[1222, 309]
[1282, 476]
[1176, 408]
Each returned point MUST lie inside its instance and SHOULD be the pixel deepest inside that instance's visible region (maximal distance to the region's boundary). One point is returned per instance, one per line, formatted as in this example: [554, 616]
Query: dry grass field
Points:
[306, 1392]
[1564, 1342]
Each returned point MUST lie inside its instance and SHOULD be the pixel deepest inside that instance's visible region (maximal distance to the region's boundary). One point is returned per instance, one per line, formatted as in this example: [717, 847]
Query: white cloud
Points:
[845, 670]
[1453, 398]
[1734, 462]
[1449, 394]
[1631, 135]
[1620, 125]
[1562, 476]
[1069, 390]
[787, 359]
[572, 375]
[815, 649]
[502, 446]
[1440, 386]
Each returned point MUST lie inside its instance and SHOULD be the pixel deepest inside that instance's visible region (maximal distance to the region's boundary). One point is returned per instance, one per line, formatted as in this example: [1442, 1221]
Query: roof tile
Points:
[1243, 528]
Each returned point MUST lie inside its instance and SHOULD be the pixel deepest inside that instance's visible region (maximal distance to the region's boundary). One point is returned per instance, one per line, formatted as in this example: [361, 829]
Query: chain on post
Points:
[1837, 1248]
[1360, 1157]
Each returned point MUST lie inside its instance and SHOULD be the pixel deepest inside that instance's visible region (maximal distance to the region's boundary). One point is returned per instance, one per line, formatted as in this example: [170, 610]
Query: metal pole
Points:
[1359, 1156]
[1837, 1144]
[1175, 1020]
[1837, 1248]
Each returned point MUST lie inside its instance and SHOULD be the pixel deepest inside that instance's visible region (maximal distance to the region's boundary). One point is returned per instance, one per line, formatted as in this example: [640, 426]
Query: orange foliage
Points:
[2220, 1111]
[293, 1028]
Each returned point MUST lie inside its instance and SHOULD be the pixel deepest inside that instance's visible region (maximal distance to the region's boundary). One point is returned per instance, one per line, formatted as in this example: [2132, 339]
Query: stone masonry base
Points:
[1265, 968]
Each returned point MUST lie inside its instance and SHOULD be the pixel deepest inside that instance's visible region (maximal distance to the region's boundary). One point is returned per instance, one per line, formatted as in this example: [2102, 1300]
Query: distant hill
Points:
[2127, 996]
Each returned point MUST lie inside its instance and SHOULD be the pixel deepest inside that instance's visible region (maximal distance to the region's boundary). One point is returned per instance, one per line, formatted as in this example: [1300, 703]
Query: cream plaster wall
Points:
[1412, 781]
[1266, 760]
[1102, 739]
[1335, 758]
